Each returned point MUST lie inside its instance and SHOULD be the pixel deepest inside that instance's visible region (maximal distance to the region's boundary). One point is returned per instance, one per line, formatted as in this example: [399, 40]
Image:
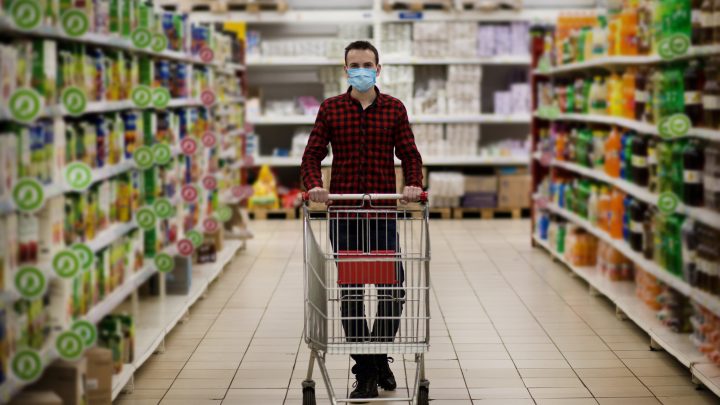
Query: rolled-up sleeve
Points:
[406, 150]
[315, 152]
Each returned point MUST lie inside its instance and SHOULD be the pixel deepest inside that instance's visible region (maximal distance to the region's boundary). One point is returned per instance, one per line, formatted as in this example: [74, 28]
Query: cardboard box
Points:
[514, 191]
[67, 380]
[98, 383]
[481, 184]
[179, 280]
[479, 200]
[37, 398]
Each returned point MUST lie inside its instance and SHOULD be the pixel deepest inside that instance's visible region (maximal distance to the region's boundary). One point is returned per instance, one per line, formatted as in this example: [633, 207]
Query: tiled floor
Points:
[509, 327]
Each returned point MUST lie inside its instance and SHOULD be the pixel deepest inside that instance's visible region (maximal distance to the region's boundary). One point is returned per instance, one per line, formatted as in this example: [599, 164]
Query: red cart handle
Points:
[371, 197]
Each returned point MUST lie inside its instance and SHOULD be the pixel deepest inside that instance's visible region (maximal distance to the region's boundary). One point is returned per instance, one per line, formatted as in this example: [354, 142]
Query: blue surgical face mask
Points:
[362, 79]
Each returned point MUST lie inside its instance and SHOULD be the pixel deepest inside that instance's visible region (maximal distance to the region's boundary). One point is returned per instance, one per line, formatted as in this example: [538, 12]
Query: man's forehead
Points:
[360, 56]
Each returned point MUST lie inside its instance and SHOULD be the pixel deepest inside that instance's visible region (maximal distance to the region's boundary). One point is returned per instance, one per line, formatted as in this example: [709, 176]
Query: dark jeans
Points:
[369, 235]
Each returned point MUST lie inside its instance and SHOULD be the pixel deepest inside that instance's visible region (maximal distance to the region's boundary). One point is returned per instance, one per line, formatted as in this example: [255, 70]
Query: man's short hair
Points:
[362, 45]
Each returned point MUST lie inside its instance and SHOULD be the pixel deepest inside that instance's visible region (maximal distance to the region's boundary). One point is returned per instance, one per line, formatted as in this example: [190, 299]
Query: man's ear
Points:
[379, 68]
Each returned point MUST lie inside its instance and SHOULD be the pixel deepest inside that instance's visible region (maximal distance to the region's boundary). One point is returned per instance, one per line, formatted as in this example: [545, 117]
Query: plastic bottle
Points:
[644, 31]
[598, 149]
[693, 93]
[599, 37]
[628, 30]
[716, 22]
[616, 215]
[693, 164]
[637, 230]
[626, 156]
[652, 162]
[656, 84]
[615, 95]
[678, 167]
[598, 97]
[640, 172]
[628, 93]
[612, 47]
[707, 22]
[648, 233]
[640, 97]
[580, 100]
[665, 156]
[593, 206]
[613, 146]
[696, 21]
[711, 96]
[604, 209]
[689, 252]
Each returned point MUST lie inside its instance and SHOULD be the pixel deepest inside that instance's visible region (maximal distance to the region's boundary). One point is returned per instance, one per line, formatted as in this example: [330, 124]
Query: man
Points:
[364, 128]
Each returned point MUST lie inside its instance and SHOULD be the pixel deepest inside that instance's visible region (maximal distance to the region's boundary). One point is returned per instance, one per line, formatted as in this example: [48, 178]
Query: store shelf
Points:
[622, 294]
[641, 127]
[612, 61]
[493, 60]
[12, 386]
[703, 215]
[235, 132]
[283, 161]
[102, 40]
[119, 381]
[104, 238]
[292, 61]
[712, 303]
[529, 15]
[415, 119]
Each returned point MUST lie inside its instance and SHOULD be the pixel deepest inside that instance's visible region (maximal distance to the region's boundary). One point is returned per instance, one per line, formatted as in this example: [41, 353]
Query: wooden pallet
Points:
[443, 213]
[261, 213]
[224, 6]
[488, 5]
[417, 5]
[488, 213]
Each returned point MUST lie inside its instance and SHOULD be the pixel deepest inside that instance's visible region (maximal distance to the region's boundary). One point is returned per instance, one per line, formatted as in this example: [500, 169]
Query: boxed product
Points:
[66, 379]
[514, 191]
[481, 184]
[479, 200]
[98, 382]
[37, 398]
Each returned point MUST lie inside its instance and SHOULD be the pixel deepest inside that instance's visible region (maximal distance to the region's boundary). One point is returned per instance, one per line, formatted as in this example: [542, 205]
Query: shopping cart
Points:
[367, 259]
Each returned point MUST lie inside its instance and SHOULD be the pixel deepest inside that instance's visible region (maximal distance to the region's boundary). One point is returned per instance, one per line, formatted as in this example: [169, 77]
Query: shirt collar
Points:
[379, 98]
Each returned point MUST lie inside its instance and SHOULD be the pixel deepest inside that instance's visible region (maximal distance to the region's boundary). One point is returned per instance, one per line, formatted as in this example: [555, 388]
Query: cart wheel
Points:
[423, 396]
[309, 396]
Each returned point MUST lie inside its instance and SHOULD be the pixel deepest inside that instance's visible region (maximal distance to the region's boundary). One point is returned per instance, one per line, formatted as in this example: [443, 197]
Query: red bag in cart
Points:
[367, 272]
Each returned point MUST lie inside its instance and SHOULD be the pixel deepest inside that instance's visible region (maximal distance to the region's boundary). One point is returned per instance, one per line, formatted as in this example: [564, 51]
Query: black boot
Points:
[386, 378]
[366, 382]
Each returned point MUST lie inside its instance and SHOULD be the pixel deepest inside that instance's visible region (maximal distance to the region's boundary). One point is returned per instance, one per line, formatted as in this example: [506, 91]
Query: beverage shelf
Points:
[641, 127]
[622, 294]
[415, 119]
[704, 215]
[283, 161]
[712, 303]
[523, 60]
[612, 61]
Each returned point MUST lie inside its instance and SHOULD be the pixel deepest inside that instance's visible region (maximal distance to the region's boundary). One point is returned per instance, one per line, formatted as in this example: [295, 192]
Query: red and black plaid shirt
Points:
[362, 142]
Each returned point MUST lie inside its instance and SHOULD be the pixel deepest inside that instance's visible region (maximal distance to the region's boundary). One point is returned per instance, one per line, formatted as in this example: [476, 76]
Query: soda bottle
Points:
[615, 100]
[656, 95]
[689, 252]
[707, 22]
[652, 165]
[711, 176]
[665, 156]
[674, 244]
[612, 37]
[626, 156]
[580, 100]
[628, 93]
[678, 169]
[693, 164]
[598, 97]
[696, 19]
[627, 201]
[628, 30]
[593, 206]
[640, 172]
[693, 98]
[604, 209]
[641, 93]
[644, 32]
[716, 22]
[613, 146]
[637, 229]
[648, 234]
[598, 149]
[616, 214]
[711, 96]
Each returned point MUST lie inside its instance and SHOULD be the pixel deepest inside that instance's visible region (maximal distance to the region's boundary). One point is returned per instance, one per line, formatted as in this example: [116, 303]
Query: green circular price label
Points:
[87, 332]
[674, 46]
[27, 14]
[161, 153]
[164, 263]
[143, 157]
[25, 105]
[69, 345]
[78, 176]
[30, 282]
[75, 23]
[163, 208]
[84, 254]
[146, 218]
[28, 195]
[66, 264]
[159, 42]
[223, 213]
[26, 365]
[74, 100]
[161, 97]
[141, 37]
[674, 126]
[668, 203]
[195, 237]
[141, 96]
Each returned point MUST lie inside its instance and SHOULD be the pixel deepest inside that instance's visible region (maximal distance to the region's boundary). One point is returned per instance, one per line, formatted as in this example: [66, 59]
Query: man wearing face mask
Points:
[366, 129]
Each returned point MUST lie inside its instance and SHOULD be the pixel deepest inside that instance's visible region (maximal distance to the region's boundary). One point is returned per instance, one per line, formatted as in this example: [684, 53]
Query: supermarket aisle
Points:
[509, 327]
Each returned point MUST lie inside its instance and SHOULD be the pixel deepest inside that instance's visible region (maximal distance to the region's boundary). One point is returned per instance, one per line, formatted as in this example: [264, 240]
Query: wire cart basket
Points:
[367, 286]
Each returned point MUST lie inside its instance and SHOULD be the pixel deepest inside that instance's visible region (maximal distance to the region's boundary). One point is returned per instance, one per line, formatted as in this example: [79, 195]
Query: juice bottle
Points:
[626, 156]
[640, 172]
[604, 209]
[693, 93]
[641, 93]
[593, 206]
[579, 93]
[598, 97]
[615, 95]
[693, 164]
[616, 215]
[598, 149]
[637, 230]
[628, 93]
[628, 30]
[560, 145]
[613, 146]
[612, 37]
[599, 37]
[627, 201]
[644, 31]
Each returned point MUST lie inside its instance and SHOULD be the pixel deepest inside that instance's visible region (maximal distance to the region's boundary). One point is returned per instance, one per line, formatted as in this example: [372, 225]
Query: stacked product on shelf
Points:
[329, 48]
[632, 151]
[110, 162]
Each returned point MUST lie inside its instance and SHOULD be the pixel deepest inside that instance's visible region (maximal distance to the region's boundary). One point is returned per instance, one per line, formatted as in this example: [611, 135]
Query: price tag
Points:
[242, 192]
[85, 255]
[189, 193]
[195, 237]
[163, 208]
[69, 346]
[211, 225]
[141, 37]
[209, 182]
[26, 14]
[26, 365]
[78, 176]
[674, 126]
[159, 42]
[144, 157]
[207, 55]
[674, 46]
[87, 332]
[28, 195]
[30, 282]
[209, 139]
[165, 263]
[74, 100]
[75, 23]
[207, 97]
[142, 96]
[146, 219]
[185, 247]
[161, 97]
[25, 105]
[188, 146]
[668, 203]
[66, 264]
[161, 154]
[224, 213]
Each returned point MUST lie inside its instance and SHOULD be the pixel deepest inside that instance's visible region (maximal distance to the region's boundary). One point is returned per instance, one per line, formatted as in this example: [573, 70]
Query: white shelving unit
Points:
[622, 294]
